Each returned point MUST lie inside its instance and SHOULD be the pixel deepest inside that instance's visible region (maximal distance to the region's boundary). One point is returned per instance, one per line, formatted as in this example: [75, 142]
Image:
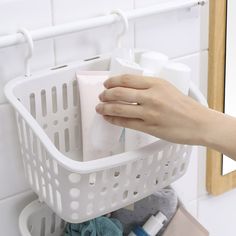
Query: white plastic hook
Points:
[125, 22]
[30, 43]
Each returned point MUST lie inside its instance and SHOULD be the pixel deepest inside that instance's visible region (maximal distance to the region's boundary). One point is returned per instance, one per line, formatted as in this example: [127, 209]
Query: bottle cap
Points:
[177, 74]
[155, 224]
[152, 62]
[123, 66]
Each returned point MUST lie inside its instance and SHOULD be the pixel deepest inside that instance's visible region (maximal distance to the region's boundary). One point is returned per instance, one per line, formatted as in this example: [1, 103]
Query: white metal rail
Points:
[58, 30]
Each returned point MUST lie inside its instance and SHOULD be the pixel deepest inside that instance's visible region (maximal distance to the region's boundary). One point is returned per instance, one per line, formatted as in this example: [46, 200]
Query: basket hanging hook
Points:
[29, 41]
[125, 22]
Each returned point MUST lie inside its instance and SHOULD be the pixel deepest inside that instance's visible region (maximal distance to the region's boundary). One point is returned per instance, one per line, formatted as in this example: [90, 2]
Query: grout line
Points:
[189, 54]
[16, 194]
[53, 23]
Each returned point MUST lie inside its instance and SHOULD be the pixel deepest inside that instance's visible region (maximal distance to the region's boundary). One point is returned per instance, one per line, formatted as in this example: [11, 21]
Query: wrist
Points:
[214, 126]
[208, 123]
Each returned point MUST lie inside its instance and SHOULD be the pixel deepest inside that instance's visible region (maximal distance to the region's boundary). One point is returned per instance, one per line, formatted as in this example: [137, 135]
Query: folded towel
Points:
[101, 226]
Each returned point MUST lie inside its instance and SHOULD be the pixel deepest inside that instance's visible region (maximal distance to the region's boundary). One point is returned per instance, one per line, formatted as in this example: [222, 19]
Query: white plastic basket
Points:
[48, 121]
[37, 219]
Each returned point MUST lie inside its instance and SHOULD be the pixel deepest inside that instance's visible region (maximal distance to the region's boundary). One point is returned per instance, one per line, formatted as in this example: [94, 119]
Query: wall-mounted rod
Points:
[73, 27]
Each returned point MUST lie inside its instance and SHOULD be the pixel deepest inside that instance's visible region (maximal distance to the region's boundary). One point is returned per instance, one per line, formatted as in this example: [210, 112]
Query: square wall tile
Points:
[90, 42]
[174, 33]
[218, 214]
[12, 179]
[10, 209]
[30, 14]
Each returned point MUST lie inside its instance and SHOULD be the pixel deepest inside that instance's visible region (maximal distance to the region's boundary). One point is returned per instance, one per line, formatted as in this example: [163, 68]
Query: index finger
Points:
[129, 81]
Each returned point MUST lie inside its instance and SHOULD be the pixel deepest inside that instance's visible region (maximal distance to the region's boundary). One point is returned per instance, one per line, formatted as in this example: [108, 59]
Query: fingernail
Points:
[100, 96]
[105, 84]
[98, 108]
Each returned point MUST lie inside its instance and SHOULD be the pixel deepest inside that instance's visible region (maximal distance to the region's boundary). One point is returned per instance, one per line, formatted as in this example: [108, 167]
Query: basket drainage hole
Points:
[104, 190]
[55, 122]
[115, 186]
[74, 178]
[45, 126]
[125, 194]
[117, 174]
[31, 228]
[74, 205]
[74, 192]
[66, 119]
[135, 193]
[157, 181]
[138, 176]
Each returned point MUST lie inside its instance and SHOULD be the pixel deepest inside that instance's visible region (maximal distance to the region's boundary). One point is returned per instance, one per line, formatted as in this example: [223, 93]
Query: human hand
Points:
[153, 106]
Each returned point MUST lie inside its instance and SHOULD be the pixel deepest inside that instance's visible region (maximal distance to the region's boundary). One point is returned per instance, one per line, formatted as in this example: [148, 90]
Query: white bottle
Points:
[151, 63]
[177, 74]
[152, 227]
[122, 66]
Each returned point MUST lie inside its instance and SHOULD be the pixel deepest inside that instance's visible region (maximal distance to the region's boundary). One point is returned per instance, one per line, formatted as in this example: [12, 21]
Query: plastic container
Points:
[37, 219]
[48, 121]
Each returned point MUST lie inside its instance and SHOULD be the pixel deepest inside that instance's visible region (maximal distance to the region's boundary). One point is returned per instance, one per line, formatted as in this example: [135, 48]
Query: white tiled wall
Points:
[183, 35]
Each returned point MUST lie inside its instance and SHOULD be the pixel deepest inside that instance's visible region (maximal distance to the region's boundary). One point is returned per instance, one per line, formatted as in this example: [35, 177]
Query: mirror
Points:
[221, 174]
[228, 164]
